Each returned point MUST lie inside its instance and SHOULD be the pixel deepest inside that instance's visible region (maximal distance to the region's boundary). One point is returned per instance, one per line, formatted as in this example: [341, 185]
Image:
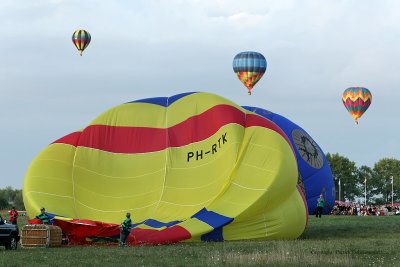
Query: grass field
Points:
[330, 241]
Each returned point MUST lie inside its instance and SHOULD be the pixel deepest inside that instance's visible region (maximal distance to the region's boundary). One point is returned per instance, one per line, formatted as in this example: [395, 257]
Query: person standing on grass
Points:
[126, 227]
[13, 214]
[320, 206]
[43, 216]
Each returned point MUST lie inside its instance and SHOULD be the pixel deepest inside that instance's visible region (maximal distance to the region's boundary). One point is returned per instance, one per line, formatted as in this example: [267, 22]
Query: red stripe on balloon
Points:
[130, 139]
[119, 139]
[356, 103]
[70, 139]
[303, 197]
[157, 237]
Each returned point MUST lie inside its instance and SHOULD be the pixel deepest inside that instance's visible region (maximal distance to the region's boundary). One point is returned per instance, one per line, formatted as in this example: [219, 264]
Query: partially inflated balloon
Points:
[249, 67]
[192, 166]
[81, 40]
[356, 100]
[315, 175]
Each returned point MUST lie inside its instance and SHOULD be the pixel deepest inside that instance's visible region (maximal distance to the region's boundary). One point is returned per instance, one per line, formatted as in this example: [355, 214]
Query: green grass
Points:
[330, 241]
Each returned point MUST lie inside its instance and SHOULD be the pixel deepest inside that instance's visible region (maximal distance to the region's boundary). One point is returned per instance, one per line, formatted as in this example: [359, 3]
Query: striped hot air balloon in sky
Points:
[356, 100]
[249, 67]
[81, 40]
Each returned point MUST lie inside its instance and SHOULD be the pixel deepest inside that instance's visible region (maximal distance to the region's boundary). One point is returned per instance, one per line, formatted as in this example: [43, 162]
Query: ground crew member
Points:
[43, 216]
[13, 214]
[320, 206]
[126, 227]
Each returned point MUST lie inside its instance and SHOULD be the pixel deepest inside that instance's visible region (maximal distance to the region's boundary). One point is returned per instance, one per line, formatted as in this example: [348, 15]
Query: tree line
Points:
[10, 197]
[378, 179]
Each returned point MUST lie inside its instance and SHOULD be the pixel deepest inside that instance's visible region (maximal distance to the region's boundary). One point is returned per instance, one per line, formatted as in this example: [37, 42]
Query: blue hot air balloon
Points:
[249, 67]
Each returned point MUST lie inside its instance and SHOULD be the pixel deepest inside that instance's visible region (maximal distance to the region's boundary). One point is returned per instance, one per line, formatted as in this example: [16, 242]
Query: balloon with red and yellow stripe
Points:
[193, 166]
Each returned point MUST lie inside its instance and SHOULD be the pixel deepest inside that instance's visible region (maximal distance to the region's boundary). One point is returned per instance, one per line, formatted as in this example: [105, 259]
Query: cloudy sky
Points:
[140, 49]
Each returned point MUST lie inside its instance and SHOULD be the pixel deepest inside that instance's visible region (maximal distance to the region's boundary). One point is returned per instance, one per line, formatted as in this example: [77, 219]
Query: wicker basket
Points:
[40, 236]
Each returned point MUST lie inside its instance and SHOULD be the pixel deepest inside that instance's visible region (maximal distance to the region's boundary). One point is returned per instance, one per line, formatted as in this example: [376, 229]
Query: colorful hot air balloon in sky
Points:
[210, 170]
[249, 67]
[356, 100]
[81, 40]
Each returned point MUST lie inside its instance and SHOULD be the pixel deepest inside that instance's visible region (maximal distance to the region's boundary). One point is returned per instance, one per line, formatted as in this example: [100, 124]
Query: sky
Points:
[147, 48]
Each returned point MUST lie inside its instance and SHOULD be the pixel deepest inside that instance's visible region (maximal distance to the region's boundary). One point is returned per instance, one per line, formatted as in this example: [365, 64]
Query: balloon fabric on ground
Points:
[315, 175]
[193, 166]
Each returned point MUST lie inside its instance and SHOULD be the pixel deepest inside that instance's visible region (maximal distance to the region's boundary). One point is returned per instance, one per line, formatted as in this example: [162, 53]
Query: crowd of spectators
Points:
[347, 208]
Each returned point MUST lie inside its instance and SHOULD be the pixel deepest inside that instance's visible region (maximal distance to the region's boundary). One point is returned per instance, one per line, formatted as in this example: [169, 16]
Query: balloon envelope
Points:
[81, 40]
[356, 100]
[249, 67]
[192, 166]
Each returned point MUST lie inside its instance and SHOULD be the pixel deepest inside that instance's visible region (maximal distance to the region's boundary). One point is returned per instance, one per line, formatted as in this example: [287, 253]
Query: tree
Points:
[365, 175]
[18, 201]
[384, 169]
[344, 170]
[11, 197]
[3, 199]
[8, 194]
[3, 203]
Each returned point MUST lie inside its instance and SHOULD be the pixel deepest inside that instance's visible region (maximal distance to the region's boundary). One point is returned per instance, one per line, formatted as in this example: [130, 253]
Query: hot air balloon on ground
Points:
[192, 167]
[249, 67]
[356, 100]
[81, 40]
[315, 175]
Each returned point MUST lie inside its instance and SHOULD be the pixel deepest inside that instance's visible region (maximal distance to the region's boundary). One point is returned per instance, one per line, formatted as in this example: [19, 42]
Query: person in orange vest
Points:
[13, 214]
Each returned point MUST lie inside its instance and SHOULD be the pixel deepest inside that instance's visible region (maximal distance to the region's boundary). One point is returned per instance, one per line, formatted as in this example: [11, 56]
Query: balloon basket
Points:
[41, 236]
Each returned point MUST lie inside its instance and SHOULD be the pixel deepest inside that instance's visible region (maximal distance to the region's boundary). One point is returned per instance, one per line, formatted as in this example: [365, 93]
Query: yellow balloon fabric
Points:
[195, 160]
